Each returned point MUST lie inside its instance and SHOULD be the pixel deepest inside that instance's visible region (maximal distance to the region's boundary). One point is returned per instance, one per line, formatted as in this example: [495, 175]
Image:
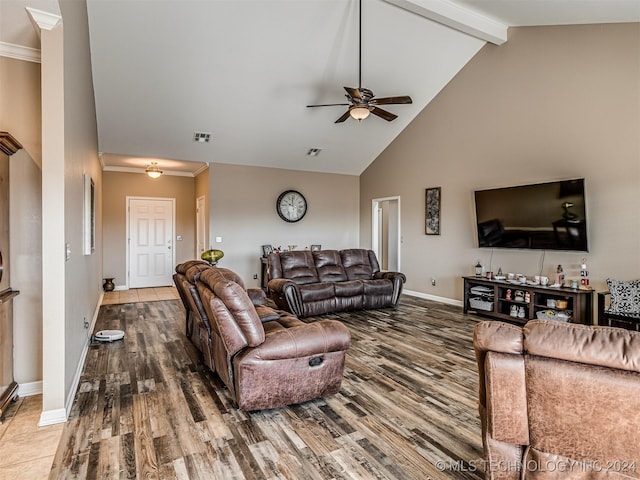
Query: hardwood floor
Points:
[407, 409]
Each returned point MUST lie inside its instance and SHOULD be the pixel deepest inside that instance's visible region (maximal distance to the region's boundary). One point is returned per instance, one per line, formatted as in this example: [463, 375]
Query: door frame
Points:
[376, 227]
[128, 236]
[201, 229]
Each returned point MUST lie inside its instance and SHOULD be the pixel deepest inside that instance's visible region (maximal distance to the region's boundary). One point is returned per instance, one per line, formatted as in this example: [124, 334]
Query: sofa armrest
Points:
[315, 338]
[397, 279]
[257, 296]
[286, 294]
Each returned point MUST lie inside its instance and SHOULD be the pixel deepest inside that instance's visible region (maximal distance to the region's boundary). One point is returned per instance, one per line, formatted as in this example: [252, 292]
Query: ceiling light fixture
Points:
[153, 170]
[359, 112]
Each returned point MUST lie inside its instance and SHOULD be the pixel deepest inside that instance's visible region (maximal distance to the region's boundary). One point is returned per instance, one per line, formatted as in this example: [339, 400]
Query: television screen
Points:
[544, 216]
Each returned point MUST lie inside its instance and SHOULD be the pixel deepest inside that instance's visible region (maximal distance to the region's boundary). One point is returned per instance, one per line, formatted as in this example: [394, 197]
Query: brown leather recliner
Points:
[198, 325]
[275, 363]
[559, 401]
[312, 283]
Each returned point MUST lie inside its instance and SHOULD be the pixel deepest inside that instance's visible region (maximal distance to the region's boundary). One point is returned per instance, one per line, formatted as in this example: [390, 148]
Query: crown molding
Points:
[19, 52]
[172, 173]
[8, 144]
[43, 20]
[201, 169]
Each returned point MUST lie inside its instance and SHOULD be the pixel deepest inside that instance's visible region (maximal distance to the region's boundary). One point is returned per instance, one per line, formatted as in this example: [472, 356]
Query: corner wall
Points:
[552, 103]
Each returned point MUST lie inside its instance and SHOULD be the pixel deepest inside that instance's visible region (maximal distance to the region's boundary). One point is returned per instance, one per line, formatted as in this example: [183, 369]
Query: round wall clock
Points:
[291, 206]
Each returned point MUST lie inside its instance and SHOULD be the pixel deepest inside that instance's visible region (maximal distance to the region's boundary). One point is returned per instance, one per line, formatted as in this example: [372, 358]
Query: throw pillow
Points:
[625, 296]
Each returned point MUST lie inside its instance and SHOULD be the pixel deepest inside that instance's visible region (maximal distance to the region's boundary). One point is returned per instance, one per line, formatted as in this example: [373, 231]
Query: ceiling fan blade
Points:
[391, 100]
[343, 117]
[353, 93]
[388, 116]
[330, 105]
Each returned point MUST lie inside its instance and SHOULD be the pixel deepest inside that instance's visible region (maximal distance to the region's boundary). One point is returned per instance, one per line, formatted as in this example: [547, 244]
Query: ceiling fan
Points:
[362, 101]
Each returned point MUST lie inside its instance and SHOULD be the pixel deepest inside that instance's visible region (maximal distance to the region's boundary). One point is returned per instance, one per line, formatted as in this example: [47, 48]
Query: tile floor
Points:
[140, 295]
[27, 449]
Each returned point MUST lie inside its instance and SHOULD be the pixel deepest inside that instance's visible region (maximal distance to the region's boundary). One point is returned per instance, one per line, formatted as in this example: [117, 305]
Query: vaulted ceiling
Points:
[244, 71]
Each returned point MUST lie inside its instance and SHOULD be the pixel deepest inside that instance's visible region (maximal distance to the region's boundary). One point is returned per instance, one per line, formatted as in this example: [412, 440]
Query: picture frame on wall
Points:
[316, 248]
[267, 250]
[432, 210]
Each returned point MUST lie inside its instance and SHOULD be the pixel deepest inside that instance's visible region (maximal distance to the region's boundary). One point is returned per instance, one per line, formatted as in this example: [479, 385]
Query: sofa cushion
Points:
[349, 289]
[625, 296]
[298, 267]
[357, 264]
[329, 266]
[317, 291]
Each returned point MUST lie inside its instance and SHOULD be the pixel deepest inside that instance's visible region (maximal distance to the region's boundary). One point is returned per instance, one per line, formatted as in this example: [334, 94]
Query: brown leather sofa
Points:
[559, 400]
[272, 363]
[312, 283]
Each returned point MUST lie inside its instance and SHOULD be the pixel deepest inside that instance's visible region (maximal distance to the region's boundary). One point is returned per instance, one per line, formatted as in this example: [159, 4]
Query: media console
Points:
[490, 298]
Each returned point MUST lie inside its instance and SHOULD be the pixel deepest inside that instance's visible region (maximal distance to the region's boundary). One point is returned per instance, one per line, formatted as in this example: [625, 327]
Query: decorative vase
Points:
[108, 285]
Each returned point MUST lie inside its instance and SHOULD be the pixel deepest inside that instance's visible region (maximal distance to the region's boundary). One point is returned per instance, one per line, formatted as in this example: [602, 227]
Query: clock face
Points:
[291, 206]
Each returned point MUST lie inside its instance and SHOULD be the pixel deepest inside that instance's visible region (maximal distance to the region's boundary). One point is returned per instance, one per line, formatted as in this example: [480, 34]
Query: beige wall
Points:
[83, 273]
[117, 186]
[552, 103]
[26, 268]
[243, 213]
[20, 114]
[20, 105]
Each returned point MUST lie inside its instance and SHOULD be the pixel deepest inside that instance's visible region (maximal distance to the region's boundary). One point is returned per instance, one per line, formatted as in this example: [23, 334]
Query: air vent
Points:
[314, 152]
[201, 137]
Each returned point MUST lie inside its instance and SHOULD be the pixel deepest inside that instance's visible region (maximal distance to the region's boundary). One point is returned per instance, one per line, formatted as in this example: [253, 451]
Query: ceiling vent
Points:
[314, 152]
[201, 137]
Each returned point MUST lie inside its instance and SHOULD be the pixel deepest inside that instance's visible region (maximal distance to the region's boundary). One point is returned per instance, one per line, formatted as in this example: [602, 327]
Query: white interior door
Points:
[151, 250]
[201, 231]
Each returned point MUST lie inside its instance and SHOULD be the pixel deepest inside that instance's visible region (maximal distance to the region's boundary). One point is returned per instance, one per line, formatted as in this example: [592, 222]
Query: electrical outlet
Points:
[433, 282]
[255, 276]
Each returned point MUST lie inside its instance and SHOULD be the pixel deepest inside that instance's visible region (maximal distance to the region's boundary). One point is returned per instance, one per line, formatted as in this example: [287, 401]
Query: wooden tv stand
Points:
[495, 304]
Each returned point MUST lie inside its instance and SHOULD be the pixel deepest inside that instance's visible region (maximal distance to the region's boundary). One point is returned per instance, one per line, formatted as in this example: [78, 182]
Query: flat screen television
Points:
[543, 216]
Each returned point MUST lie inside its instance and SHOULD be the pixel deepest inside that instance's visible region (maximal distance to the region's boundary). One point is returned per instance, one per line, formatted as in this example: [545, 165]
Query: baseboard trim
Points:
[30, 388]
[51, 417]
[435, 298]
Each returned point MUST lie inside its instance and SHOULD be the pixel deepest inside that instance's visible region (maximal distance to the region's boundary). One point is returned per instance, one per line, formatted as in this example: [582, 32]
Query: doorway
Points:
[385, 232]
[150, 248]
[201, 231]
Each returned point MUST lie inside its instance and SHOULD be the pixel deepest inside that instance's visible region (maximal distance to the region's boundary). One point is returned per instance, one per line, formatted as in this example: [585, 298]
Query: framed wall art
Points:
[432, 216]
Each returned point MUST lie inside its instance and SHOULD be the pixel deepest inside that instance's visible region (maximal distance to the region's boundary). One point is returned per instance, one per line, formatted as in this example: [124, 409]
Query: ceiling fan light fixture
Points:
[153, 170]
[359, 113]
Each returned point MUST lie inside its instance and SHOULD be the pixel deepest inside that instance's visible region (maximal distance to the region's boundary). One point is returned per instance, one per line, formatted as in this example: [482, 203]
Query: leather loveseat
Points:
[269, 363]
[312, 283]
[559, 401]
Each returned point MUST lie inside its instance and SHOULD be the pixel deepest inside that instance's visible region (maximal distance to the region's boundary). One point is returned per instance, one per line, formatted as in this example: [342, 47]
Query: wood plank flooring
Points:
[407, 409]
